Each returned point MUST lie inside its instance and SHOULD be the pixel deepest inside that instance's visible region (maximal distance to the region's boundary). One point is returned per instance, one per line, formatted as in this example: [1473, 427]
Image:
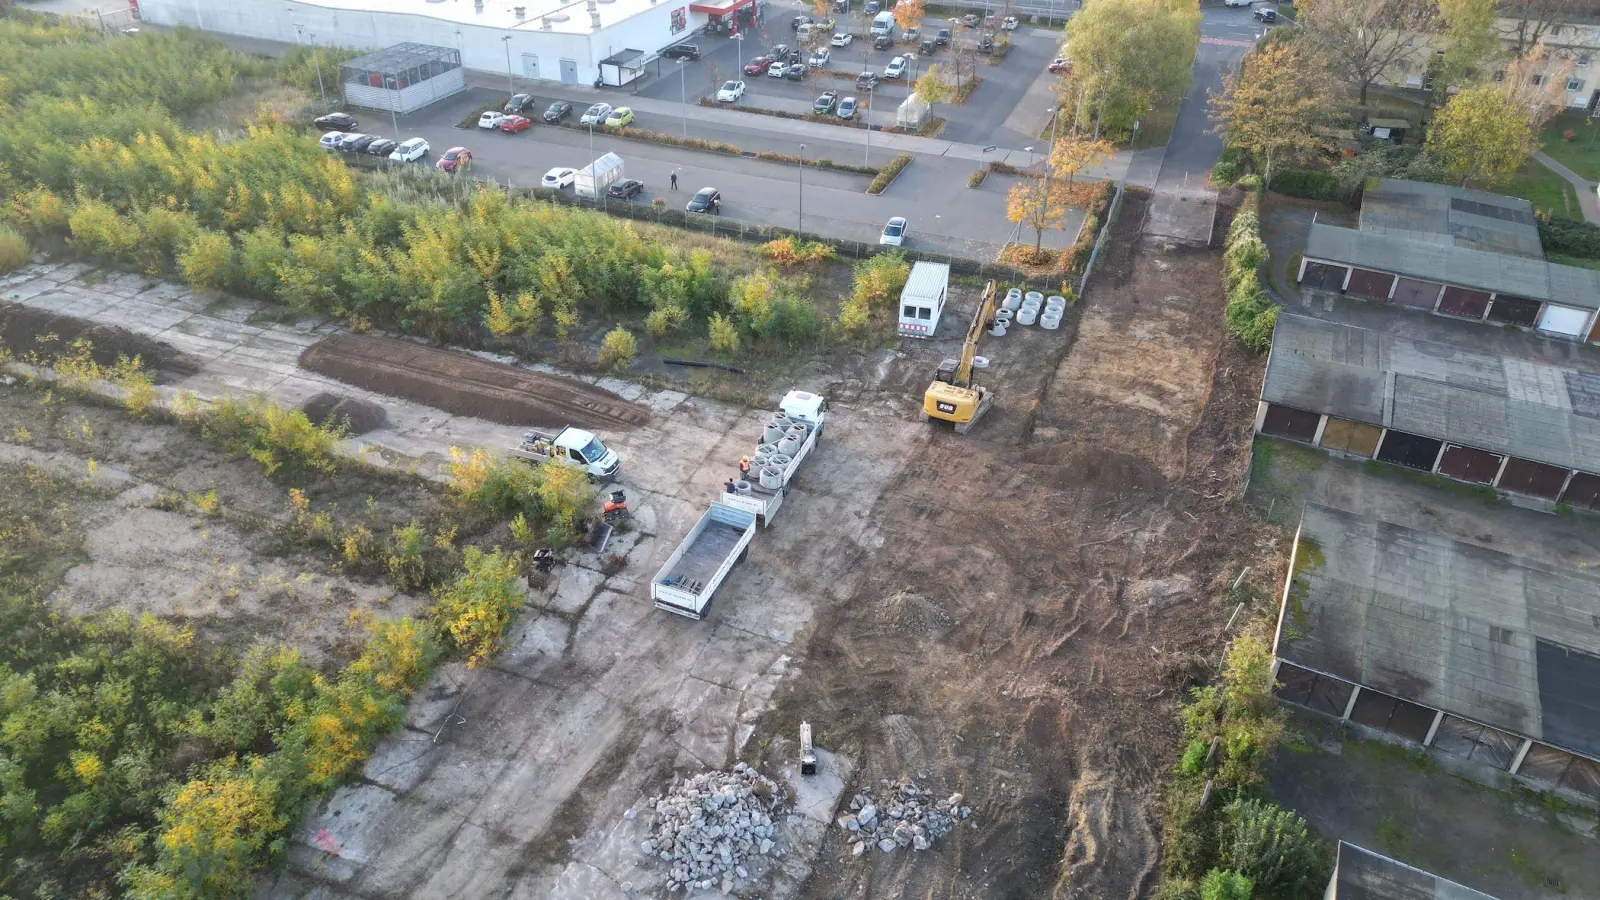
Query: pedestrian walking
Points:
[674, 180]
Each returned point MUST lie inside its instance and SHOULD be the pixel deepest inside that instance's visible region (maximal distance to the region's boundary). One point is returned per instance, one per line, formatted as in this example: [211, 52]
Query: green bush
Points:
[1250, 313]
[1220, 884]
[1274, 848]
[1568, 237]
[619, 347]
[1309, 184]
[1194, 758]
[14, 251]
[476, 608]
[887, 174]
[271, 435]
[1224, 173]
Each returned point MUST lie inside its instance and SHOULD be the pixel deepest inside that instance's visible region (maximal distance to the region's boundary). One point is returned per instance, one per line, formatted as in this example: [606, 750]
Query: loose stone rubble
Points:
[900, 815]
[708, 827]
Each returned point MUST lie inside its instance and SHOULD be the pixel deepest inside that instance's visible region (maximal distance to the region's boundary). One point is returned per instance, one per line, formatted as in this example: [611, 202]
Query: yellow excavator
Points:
[952, 396]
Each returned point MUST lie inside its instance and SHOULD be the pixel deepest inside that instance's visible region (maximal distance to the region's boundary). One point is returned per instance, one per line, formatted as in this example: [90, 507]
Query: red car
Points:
[757, 66]
[455, 158]
[514, 124]
[1059, 64]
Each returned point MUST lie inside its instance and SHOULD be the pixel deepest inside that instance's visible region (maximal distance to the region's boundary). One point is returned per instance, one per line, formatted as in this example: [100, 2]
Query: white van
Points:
[883, 24]
[803, 33]
[922, 301]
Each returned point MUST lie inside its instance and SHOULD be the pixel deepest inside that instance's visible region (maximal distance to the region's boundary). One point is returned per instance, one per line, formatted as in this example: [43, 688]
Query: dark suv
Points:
[867, 80]
[337, 122]
[682, 51]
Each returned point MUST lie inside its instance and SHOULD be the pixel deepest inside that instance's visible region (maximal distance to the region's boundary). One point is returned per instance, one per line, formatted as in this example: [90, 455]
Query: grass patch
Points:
[1481, 492]
[1582, 153]
[1546, 190]
[1578, 261]
[1155, 129]
[1393, 837]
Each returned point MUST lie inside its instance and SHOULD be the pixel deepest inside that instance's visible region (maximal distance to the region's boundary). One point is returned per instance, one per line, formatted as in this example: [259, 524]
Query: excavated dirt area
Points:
[465, 385]
[1034, 610]
[25, 331]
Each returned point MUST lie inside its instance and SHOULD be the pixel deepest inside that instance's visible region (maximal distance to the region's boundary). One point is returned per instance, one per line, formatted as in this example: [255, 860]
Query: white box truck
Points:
[593, 179]
[765, 495]
[922, 300]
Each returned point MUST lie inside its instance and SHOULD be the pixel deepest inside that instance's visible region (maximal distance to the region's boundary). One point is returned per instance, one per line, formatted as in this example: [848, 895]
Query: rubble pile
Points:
[901, 815]
[708, 826]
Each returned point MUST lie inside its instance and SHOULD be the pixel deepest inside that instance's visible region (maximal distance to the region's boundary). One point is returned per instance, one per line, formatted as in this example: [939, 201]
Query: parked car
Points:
[382, 147]
[942, 38]
[803, 36]
[986, 43]
[330, 141]
[1266, 14]
[455, 159]
[1059, 64]
[757, 66]
[872, 8]
[795, 57]
[777, 69]
[596, 114]
[797, 21]
[355, 143]
[866, 81]
[705, 200]
[847, 108]
[911, 35]
[1009, 23]
[795, 72]
[491, 119]
[514, 124]
[627, 187]
[841, 6]
[970, 20]
[896, 68]
[779, 52]
[518, 103]
[557, 111]
[894, 233]
[928, 46]
[337, 122]
[410, 150]
[682, 51]
[620, 117]
[882, 42]
[820, 58]
[1236, 4]
[842, 39]
[826, 24]
[558, 178]
[730, 92]
[826, 103]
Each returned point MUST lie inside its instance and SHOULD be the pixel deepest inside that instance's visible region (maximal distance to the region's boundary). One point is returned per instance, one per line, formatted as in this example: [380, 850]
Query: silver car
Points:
[596, 114]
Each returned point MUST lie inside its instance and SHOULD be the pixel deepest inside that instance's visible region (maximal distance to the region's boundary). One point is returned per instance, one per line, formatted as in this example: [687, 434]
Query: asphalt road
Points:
[1225, 35]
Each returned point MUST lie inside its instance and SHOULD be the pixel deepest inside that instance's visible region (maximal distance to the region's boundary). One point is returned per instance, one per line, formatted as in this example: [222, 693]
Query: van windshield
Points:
[593, 451]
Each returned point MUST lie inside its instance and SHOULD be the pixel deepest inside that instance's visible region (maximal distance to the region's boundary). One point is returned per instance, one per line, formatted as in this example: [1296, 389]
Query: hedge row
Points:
[1570, 237]
[1098, 206]
[1251, 313]
[889, 173]
[1309, 184]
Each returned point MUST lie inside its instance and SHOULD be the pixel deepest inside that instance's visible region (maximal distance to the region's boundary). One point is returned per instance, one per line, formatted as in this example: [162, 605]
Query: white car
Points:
[778, 69]
[596, 114]
[558, 178]
[894, 233]
[730, 92]
[820, 58]
[330, 141]
[895, 68]
[842, 39]
[1236, 4]
[410, 150]
[491, 119]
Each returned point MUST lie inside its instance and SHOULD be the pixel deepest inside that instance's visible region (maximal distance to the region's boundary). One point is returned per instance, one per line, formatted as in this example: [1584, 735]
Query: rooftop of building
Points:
[1516, 405]
[1451, 216]
[1361, 874]
[1504, 640]
[563, 16]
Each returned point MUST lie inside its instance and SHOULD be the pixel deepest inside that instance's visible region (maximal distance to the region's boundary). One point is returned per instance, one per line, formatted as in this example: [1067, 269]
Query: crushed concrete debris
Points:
[900, 815]
[708, 828]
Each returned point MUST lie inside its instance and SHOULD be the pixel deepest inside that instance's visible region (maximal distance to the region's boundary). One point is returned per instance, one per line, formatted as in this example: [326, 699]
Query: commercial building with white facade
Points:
[552, 40]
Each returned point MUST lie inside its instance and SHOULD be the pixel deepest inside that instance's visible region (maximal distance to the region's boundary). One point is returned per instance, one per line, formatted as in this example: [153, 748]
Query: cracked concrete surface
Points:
[511, 780]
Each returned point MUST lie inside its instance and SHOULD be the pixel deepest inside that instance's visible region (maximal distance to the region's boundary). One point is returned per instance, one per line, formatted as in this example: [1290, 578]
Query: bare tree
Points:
[1534, 20]
[1362, 38]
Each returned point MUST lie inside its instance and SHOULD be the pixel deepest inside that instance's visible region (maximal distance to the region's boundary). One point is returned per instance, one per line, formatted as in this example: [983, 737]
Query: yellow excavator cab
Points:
[952, 397]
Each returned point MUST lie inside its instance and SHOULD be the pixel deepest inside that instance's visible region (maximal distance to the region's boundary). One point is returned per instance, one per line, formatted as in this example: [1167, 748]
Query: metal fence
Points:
[1105, 231]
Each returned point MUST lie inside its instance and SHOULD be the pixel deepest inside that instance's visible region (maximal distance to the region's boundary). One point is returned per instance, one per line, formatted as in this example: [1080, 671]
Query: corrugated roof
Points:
[1455, 216]
[1360, 874]
[927, 279]
[1500, 639]
[1505, 405]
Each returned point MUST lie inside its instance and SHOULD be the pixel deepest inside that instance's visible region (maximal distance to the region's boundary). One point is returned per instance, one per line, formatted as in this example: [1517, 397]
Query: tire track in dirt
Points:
[466, 385]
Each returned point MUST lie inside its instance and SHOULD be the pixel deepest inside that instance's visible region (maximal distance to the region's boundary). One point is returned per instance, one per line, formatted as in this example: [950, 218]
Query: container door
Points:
[1410, 450]
[530, 65]
[1514, 311]
[1566, 321]
[569, 71]
[1291, 423]
[1469, 464]
[1416, 294]
[1324, 277]
[1370, 285]
[1583, 490]
[1536, 479]
[1462, 302]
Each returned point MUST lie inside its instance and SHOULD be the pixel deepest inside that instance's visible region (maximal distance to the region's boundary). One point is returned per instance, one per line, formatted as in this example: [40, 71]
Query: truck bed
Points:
[701, 559]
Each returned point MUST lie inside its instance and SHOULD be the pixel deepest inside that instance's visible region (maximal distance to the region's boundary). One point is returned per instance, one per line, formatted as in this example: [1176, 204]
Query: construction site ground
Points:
[1013, 614]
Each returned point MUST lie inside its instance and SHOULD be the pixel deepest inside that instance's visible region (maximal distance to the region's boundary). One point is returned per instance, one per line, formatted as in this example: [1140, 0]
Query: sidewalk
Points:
[1586, 189]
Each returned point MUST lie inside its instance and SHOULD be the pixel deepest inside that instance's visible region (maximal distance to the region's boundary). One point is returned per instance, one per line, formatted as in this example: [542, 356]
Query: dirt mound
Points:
[468, 386]
[25, 330]
[356, 416]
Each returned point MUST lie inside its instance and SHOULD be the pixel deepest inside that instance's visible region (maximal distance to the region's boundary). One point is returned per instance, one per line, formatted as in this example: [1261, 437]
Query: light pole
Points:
[506, 39]
[800, 231]
[1030, 156]
[738, 41]
[867, 160]
[320, 89]
[683, 98]
[1044, 196]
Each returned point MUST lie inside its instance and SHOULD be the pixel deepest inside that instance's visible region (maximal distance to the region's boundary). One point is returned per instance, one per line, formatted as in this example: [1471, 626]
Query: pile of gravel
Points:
[900, 815]
[705, 828]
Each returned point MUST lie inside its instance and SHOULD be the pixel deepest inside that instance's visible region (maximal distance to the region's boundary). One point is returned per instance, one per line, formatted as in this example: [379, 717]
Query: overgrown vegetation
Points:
[1250, 312]
[1569, 237]
[1222, 838]
[13, 249]
[889, 173]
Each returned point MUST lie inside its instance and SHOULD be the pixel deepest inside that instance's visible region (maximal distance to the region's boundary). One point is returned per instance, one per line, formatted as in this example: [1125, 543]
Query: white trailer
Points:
[922, 300]
[697, 568]
[765, 496]
[593, 179]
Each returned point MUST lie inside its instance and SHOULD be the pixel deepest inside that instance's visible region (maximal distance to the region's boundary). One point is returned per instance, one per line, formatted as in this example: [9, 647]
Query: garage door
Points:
[1468, 464]
[1369, 284]
[1535, 479]
[1416, 294]
[1345, 436]
[1410, 450]
[1583, 490]
[1391, 714]
[1465, 303]
[1564, 320]
[1514, 311]
[1291, 423]
[1325, 277]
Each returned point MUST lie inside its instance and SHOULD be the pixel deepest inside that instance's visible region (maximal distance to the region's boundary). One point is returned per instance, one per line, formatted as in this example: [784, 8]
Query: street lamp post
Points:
[318, 65]
[738, 42]
[867, 160]
[506, 39]
[1044, 196]
[800, 231]
[683, 98]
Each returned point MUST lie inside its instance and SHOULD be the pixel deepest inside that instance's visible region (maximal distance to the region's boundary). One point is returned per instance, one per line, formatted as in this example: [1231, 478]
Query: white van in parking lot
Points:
[883, 24]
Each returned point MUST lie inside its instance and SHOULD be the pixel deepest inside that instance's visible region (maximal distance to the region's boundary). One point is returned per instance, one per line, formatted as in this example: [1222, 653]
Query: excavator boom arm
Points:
[969, 349]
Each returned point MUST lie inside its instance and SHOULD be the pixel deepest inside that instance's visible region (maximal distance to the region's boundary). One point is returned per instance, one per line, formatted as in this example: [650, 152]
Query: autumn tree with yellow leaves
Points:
[1277, 105]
